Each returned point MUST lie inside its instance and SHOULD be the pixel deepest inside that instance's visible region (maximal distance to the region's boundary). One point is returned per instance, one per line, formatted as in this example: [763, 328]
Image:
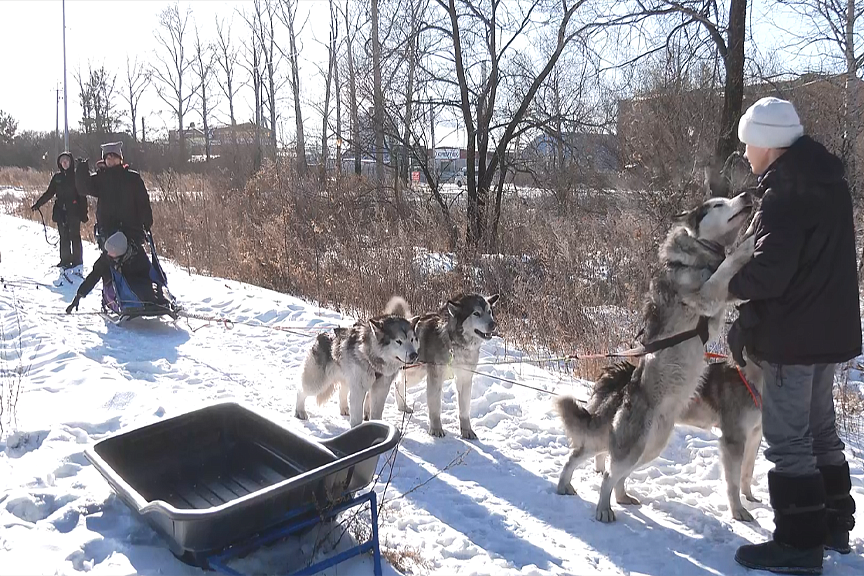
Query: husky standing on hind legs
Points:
[727, 399]
[363, 359]
[685, 306]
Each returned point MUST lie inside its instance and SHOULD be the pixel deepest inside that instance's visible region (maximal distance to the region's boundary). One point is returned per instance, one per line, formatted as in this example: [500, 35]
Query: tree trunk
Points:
[733, 96]
[205, 122]
[338, 91]
[851, 113]
[378, 104]
[300, 138]
[326, 116]
[352, 87]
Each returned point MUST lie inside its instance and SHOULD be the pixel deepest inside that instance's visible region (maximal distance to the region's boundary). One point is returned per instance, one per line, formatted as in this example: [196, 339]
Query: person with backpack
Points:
[70, 210]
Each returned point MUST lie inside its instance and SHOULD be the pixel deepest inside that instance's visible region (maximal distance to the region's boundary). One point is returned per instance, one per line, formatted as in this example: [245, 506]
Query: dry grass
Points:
[26, 178]
[566, 277]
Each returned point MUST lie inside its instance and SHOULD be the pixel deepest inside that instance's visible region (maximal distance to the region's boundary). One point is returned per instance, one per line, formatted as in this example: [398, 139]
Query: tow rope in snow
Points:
[45, 229]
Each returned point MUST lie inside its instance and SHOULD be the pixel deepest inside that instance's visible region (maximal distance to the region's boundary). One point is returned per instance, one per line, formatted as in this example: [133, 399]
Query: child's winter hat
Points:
[116, 245]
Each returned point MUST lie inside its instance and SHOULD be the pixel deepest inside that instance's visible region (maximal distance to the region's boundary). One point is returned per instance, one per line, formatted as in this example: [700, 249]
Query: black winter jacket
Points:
[69, 206]
[802, 283]
[122, 200]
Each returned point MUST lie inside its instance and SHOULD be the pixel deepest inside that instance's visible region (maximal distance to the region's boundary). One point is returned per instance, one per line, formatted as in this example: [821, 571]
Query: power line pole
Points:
[57, 123]
[65, 93]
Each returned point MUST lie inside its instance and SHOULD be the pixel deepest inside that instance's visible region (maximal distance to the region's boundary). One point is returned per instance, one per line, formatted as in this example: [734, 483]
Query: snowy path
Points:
[485, 507]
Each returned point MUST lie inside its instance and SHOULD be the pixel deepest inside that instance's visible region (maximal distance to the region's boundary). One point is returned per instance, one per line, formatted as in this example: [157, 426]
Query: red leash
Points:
[757, 398]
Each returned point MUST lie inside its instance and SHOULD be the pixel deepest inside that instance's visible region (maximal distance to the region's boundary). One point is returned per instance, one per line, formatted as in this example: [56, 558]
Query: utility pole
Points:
[57, 123]
[65, 93]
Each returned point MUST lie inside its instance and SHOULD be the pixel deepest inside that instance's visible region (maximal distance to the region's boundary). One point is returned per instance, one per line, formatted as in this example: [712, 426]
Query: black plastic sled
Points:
[122, 297]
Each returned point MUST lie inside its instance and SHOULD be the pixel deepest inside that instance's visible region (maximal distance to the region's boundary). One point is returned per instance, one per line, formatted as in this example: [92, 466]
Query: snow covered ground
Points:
[484, 507]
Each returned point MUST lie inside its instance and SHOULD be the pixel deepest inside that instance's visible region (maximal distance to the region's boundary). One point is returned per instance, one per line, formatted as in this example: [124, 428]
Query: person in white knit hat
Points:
[799, 320]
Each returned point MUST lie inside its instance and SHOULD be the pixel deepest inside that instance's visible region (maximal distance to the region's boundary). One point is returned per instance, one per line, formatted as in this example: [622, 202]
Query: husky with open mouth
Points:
[450, 342]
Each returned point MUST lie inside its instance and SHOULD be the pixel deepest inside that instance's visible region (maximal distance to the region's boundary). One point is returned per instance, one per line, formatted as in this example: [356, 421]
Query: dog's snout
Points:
[412, 357]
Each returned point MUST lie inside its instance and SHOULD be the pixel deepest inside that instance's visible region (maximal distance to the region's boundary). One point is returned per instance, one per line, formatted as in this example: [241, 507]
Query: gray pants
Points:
[798, 419]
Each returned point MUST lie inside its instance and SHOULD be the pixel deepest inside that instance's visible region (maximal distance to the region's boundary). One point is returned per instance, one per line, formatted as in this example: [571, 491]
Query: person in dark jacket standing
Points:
[122, 202]
[70, 209]
[122, 205]
[800, 319]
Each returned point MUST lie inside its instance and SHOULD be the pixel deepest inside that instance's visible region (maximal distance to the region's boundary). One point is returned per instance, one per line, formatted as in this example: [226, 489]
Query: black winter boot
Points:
[839, 507]
[800, 528]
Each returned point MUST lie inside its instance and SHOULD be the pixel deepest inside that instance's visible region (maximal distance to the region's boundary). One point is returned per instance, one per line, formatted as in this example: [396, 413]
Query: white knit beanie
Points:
[770, 123]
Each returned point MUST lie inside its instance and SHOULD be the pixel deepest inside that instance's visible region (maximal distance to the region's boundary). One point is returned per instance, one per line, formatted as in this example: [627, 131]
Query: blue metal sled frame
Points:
[218, 562]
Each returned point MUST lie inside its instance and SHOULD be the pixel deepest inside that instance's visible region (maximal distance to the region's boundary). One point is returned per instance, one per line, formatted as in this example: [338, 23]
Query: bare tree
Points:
[97, 93]
[288, 15]
[837, 24]
[352, 89]
[378, 97]
[252, 63]
[203, 61]
[227, 58]
[498, 28]
[724, 29]
[173, 66]
[332, 43]
[137, 82]
[263, 26]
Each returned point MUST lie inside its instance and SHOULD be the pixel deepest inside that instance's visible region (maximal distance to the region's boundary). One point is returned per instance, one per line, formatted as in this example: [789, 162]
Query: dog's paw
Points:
[605, 514]
[742, 514]
[628, 500]
[745, 250]
[566, 490]
[301, 415]
[468, 434]
[436, 431]
[751, 498]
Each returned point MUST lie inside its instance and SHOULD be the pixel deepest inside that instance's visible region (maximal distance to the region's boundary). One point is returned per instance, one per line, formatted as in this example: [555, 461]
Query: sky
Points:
[106, 32]
[103, 31]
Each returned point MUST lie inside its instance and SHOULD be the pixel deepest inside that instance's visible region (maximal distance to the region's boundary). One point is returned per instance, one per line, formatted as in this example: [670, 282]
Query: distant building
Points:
[222, 138]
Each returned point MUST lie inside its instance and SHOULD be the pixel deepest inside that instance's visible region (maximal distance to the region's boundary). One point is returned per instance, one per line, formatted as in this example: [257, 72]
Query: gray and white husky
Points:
[690, 289]
[723, 401]
[361, 359]
[450, 342]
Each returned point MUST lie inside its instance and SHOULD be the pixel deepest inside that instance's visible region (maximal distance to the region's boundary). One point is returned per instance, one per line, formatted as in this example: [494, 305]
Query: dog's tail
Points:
[325, 394]
[398, 306]
[577, 420]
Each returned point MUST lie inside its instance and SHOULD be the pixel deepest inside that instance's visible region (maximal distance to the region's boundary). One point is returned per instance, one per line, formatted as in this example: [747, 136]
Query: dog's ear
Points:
[377, 326]
[681, 216]
[413, 321]
[491, 300]
[452, 307]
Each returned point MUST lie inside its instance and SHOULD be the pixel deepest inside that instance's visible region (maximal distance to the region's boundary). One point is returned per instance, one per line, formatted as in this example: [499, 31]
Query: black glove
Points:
[73, 305]
[735, 340]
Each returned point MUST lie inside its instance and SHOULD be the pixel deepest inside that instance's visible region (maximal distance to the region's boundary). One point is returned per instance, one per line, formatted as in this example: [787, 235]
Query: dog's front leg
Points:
[464, 379]
[356, 399]
[343, 399]
[713, 296]
[378, 396]
[434, 383]
[402, 393]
